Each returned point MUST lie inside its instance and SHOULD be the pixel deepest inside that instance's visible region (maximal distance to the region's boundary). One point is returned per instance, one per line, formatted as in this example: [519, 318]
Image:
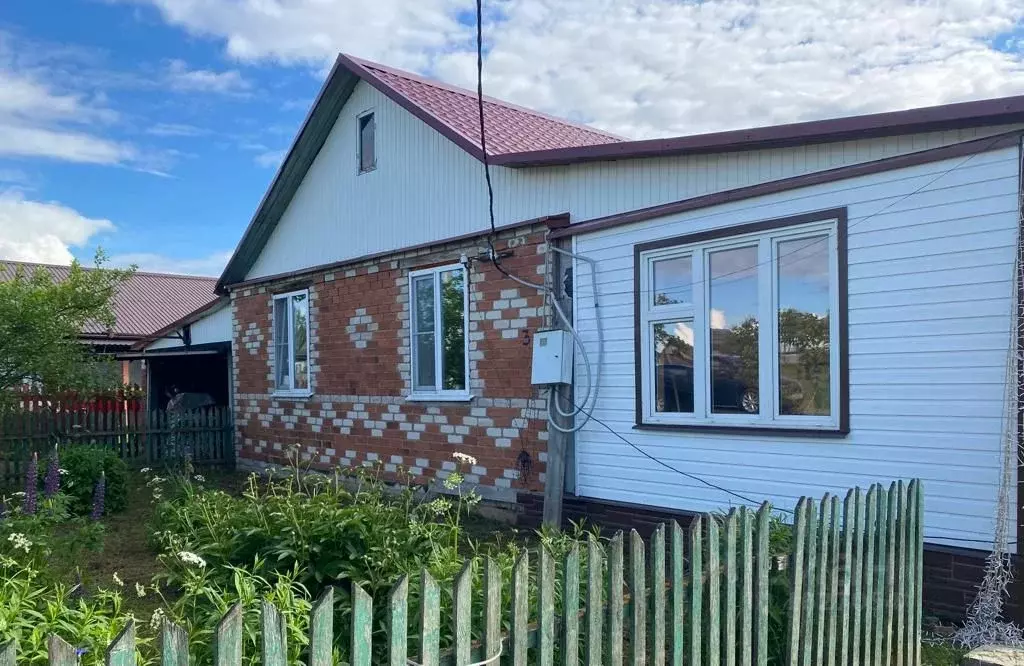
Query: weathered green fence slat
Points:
[868, 600]
[520, 609]
[273, 635]
[571, 606]
[595, 602]
[918, 511]
[122, 650]
[834, 564]
[362, 627]
[810, 571]
[890, 574]
[173, 645]
[696, 588]
[430, 620]
[615, 600]
[492, 608]
[7, 654]
[796, 566]
[657, 616]
[730, 589]
[746, 555]
[60, 652]
[321, 630]
[879, 640]
[899, 651]
[546, 608]
[398, 623]
[678, 618]
[714, 575]
[761, 595]
[819, 554]
[462, 596]
[638, 599]
[227, 642]
[845, 618]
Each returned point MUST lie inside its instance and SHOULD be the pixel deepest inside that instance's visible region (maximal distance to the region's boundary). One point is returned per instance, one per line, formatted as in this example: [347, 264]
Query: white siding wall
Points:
[930, 286]
[213, 327]
[426, 188]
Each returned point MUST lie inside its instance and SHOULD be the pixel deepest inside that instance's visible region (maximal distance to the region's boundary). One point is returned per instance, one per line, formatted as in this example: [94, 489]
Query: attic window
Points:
[367, 151]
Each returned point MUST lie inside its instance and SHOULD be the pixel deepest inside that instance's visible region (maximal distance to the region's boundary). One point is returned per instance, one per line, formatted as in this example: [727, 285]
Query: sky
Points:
[152, 128]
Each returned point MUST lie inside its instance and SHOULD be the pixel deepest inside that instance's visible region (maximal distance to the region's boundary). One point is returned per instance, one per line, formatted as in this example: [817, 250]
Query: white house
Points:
[783, 311]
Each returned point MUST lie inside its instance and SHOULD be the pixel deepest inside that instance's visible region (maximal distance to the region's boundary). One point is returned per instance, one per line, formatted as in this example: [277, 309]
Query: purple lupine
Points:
[98, 497]
[28, 507]
[51, 484]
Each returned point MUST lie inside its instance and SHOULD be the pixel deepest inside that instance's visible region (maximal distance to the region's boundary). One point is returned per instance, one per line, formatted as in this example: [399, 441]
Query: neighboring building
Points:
[786, 311]
[145, 303]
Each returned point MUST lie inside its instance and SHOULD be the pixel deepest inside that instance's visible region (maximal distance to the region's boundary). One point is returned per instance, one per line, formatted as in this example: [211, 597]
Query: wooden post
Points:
[559, 443]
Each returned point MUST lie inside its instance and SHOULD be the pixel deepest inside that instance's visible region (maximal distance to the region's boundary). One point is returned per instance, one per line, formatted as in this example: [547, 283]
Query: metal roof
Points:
[145, 303]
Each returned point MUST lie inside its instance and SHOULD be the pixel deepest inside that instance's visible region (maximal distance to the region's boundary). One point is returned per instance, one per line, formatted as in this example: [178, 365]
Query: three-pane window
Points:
[438, 336]
[291, 342]
[742, 330]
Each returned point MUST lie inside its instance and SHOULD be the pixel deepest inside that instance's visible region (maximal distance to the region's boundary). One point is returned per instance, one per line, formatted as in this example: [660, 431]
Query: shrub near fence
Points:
[698, 596]
[137, 436]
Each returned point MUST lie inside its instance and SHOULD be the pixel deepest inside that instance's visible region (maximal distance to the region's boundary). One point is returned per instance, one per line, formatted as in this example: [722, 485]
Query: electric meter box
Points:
[552, 357]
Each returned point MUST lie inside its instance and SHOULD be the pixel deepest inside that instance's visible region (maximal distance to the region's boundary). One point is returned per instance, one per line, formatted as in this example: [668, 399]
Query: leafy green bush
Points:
[84, 465]
[51, 540]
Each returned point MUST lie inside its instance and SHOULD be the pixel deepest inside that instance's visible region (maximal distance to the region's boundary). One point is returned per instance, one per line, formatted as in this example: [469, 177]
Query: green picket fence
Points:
[698, 596]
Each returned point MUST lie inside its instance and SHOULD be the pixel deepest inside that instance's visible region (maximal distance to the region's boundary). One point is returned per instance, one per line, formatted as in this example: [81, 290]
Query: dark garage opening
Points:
[189, 373]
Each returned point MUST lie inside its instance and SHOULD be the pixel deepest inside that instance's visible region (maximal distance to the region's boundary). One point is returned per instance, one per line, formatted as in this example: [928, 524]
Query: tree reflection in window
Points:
[453, 330]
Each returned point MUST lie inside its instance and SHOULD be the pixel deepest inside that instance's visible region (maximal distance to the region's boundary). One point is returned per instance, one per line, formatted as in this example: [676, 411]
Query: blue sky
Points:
[153, 127]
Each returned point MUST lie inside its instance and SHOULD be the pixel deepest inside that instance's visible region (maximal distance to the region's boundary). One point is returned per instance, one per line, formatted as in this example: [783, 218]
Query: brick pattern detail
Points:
[359, 413]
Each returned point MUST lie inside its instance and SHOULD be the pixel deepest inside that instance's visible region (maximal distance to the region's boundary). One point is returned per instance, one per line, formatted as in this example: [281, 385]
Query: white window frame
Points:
[438, 394]
[767, 242]
[291, 391]
[359, 141]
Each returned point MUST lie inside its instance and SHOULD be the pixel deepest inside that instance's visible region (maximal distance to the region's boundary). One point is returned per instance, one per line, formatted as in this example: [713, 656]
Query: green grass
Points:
[941, 655]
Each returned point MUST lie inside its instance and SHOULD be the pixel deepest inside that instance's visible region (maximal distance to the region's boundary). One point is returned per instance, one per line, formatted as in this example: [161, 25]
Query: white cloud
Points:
[270, 159]
[718, 319]
[653, 67]
[176, 129]
[37, 120]
[43, 231]
[182, 79]
[211, 265]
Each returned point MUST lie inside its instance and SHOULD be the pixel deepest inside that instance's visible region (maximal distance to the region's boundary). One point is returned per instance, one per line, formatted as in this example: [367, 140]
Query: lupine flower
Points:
[51, 484]
[98, 497]
[28, 507]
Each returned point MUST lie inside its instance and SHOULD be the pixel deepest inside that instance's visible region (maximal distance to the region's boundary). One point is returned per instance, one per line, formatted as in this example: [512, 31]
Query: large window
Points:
[742, 328]
[439, 323]
[291, 343]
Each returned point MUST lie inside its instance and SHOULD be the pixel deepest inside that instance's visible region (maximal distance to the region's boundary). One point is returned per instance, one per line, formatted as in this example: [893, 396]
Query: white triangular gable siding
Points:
[426, 188]
[930, 330]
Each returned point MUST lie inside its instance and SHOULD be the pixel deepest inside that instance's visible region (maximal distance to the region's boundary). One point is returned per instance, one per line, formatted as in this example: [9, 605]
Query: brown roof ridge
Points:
[177, 276]
[442, 85]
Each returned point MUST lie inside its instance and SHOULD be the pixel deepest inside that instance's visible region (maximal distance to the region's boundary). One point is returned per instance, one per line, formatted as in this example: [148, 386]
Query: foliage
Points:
[85, 466]
[50, 539]
[41, 320]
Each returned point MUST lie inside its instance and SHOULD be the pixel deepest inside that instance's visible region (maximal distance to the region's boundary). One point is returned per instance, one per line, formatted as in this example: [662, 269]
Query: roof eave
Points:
[960, 115]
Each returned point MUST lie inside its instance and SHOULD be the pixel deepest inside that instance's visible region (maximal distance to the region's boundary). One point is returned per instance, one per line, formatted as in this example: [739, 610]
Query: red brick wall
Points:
[360, 360]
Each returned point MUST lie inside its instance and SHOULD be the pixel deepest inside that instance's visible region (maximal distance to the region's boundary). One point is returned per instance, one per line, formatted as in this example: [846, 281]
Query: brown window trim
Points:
[841, 217]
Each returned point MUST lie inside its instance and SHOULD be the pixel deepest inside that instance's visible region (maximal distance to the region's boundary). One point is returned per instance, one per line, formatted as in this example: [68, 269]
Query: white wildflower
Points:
[20, 541]
[140, 590]
[117, 580]
[464, 458]
[63, 472]
[146, 470]
[191, 558]
[200, 478]
[453, 481]
[156, 621]
[440, 505]
[18, 494]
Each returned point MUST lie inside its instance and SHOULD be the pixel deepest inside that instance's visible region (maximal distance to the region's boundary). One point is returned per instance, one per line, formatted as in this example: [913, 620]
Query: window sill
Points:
[779, 431]
[292, 394]
[439, 397]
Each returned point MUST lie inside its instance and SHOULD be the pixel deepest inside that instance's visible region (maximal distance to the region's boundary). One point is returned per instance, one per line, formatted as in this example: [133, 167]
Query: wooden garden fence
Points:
[137, 436]
[698, 596]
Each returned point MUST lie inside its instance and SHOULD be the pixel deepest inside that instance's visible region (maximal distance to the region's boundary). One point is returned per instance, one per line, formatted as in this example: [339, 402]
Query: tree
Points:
[41, 320]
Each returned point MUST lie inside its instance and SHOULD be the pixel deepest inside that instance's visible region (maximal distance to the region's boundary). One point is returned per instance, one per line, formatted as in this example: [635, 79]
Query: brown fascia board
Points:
[960, 115]
[190, 318]
[430, 119]
[973, 147]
